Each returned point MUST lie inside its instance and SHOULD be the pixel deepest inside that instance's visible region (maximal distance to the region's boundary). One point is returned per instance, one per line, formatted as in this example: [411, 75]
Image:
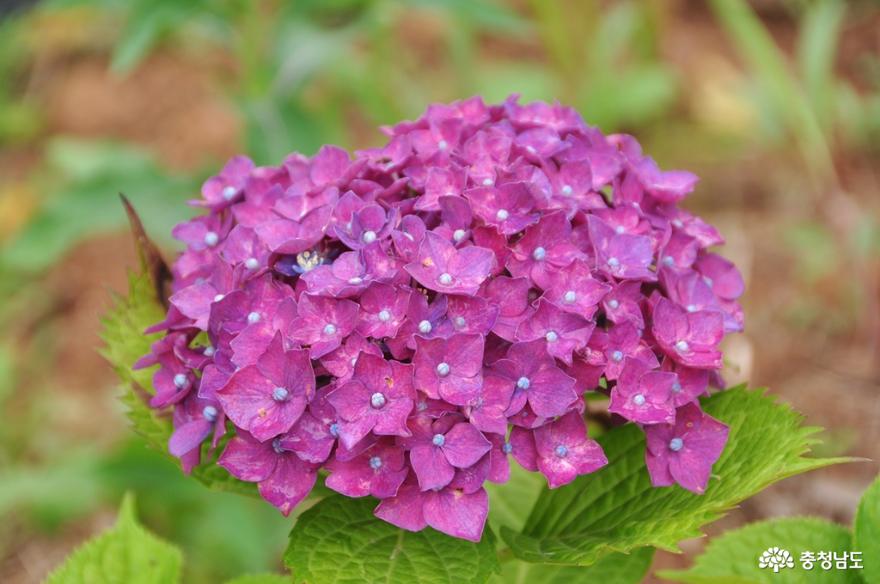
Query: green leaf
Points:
[733, 557]
[339, 540]
[509, 504]
[261, 579]
[124, 343]
[866, 536]
[617, 509]
[126, 553]
[613, 568]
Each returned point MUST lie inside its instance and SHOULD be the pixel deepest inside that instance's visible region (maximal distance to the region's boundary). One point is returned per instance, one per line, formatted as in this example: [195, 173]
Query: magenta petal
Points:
[431, 467]
[290, 483]
[189, 436]
[405, 509]
[456, 513]
[247, 459]
[464, 445]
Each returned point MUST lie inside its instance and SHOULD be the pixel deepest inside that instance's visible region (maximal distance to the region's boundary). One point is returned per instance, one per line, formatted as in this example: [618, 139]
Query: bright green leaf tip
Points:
[125, 553]
[339, 540]
[617, 510]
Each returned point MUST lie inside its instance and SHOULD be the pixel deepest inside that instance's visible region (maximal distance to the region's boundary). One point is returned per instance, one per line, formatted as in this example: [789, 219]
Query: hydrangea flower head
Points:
[412, 319]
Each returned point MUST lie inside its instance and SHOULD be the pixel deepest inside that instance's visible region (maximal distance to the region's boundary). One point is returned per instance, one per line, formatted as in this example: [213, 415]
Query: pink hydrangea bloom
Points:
[414, 317]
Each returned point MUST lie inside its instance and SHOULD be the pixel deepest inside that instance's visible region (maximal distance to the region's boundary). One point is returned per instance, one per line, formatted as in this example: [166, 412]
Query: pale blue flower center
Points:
[617, 356]
[507, 448]
[334, 429]
[180, 381]
[523, 382]
[678, 223]
[460, 321]
[708, 281]
[676, 444]
[375, 463]
[445, 278]
[253, 317]
[377, 400]
[330, 329]
[502, 215]
[209, 351]
[276, 446]
[209, 413]
[570, 296]
[619, 229]
[369, 236]
[488, 182]
[422, 406]
[252, 263]
[682, 346]
[356, 281]
[613, 304]
[442, 145]
[211, 239]
[218, 297]
[280, 394]
[561, 451]
[229, 192]
[443, 369]
[551, 336]
[639, 399]
[691, 307]
[458, 235]
[676, 387]
[613, 262]
[539, 254]
[384, 315]
[668, 261]
[567, 190]
[425, 327]
[438, 440]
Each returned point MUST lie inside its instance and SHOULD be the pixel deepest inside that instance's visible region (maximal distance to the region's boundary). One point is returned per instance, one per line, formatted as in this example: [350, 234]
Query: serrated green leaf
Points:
[340, 541]
[613, 568]
[866, 536]
[617, 509]
[733, 557]
[261, 579]
[126, 553]
[125, 342]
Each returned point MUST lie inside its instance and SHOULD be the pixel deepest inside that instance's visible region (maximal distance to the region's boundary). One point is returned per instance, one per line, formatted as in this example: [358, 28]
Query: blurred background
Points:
[774, 103]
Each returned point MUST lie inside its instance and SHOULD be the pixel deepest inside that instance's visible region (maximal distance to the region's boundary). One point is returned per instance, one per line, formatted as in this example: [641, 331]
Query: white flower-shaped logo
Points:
[775, 558]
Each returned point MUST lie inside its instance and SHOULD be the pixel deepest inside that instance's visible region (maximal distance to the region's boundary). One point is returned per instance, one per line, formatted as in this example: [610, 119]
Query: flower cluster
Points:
[406, 320]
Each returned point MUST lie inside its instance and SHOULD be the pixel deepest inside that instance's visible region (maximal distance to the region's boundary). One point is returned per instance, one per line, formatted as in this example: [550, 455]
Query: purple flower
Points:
[690, 338]
[508, 207]
[451, 368]
[543, 249]
[194, 420]
[408, 317]
[537, 380]
[378, 398]
[383, 310]
[267, 398]
[620, 255]
[642, 395]
[685, 451]
[283, 478]
[438, 447]
[563, 332]
[574, 290]
[443, 268]
[222, 190]
[564, 451]
[322, 323]
[377, 471]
